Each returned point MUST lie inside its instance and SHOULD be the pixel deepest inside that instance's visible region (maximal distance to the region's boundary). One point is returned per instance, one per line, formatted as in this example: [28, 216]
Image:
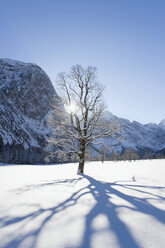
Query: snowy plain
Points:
[115, 204]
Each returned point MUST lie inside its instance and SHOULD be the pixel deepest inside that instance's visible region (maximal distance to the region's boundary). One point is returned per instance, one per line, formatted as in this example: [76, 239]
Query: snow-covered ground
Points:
[116, 204]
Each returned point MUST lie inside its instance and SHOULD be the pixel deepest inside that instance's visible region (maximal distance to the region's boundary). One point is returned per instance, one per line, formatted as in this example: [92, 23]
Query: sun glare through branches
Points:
[71, 108]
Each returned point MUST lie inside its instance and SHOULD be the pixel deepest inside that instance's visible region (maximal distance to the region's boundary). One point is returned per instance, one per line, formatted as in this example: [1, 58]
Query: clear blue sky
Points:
[124, 39]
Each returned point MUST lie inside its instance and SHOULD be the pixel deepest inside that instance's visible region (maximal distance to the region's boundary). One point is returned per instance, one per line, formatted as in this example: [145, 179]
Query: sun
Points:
[71, 108]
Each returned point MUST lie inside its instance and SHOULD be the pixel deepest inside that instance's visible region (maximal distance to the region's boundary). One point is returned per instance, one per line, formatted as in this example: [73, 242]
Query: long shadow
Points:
[102, 193]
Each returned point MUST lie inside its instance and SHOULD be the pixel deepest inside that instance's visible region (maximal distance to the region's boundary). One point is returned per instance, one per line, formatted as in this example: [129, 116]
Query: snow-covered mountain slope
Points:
[26, 95]
[162, 123]
[136, 136]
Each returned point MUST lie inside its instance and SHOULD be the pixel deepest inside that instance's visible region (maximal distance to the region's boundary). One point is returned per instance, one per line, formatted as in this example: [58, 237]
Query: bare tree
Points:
[80, 123]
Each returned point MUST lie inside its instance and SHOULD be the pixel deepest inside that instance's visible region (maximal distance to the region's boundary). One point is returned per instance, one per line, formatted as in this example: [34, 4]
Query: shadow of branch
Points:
[102, 193]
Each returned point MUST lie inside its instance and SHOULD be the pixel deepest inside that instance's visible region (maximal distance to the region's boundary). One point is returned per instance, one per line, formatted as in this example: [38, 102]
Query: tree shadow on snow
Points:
[102, 192]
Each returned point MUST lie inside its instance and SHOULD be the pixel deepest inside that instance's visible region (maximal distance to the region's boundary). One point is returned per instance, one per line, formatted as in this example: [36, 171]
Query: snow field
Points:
[115, 204]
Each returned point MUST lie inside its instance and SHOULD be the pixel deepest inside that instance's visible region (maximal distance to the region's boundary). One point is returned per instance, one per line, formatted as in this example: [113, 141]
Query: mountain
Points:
[162, 123]
[26, 98]
[142, 139]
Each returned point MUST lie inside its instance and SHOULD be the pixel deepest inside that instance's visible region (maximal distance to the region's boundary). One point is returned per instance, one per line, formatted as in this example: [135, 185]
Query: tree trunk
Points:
[81, 163]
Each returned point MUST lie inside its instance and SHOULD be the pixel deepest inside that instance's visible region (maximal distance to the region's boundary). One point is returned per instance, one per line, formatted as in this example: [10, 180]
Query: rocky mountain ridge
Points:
[141, 138]
[26, 95]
